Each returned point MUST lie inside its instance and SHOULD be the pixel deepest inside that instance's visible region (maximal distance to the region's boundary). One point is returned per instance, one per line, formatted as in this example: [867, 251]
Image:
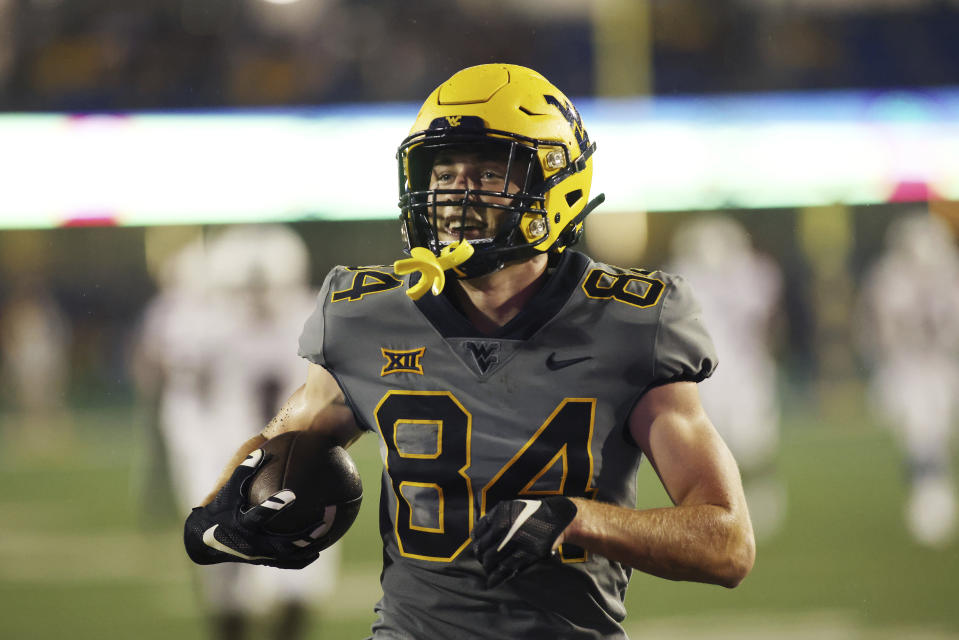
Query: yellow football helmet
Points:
[537, 128]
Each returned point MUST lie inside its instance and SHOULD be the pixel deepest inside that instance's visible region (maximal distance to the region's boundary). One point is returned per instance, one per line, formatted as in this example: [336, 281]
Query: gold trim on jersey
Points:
[600, 284]
[588, 491]
[460, 472]
[528, 490]
[568, 422]
[426, 456]
[441, 506]
[365, 282]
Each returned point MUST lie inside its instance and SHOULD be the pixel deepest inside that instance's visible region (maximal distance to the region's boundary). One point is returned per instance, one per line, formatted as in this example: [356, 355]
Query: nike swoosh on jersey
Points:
[529, 508]
[554, 365]
[209, 539]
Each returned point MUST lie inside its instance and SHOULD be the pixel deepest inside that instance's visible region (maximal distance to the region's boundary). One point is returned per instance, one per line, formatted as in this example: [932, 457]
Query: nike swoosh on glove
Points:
[227, 531]
[517, 533]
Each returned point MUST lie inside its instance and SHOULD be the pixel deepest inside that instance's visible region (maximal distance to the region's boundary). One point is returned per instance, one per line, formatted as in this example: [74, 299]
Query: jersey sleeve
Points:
[314, 331]
[683, 349]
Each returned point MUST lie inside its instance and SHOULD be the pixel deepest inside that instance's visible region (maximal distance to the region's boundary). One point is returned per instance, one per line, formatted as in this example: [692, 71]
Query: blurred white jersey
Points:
[177, 341]
[910, 334]
[225, 354]
[739, 291]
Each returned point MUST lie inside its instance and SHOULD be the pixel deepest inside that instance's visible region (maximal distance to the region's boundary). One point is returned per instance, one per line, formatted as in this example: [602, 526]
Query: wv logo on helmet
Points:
[573, 118]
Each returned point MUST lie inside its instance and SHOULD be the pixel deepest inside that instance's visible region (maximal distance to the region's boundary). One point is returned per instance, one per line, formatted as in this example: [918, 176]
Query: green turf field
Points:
[80, 559]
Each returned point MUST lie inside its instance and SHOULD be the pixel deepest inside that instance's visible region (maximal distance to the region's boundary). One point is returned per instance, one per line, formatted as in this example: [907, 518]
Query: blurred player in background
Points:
[909, 334]
[514, 386]
[217, 351]
[35, 339]
[739, 290]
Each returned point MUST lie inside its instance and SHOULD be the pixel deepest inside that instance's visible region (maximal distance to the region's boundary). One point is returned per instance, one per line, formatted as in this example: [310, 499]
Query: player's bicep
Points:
[317, 405]
[686, 451]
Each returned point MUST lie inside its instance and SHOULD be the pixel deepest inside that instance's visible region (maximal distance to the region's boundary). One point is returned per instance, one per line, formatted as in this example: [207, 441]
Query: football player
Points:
[514, 386]
[216, 355]
[909, 335]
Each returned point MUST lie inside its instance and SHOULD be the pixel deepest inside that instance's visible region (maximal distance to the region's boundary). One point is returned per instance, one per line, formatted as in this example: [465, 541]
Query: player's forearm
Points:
[700, 543]
[250, 445]
[318, 405]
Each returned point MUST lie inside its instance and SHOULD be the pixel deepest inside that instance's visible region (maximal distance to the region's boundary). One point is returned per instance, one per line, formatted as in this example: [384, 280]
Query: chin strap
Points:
[432, 268]
[570, 233]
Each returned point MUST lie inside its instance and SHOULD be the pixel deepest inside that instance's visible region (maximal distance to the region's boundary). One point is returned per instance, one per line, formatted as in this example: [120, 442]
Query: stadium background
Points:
[88, 545]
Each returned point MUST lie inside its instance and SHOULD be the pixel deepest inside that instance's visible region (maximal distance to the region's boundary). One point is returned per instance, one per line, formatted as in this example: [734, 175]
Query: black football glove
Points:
[517, 533]
[227, 530]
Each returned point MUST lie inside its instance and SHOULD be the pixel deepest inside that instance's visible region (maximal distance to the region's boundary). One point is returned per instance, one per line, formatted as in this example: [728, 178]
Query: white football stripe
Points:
[528, 510]
[279, 500]
[329, 515]
[252, 459]
[210, 540]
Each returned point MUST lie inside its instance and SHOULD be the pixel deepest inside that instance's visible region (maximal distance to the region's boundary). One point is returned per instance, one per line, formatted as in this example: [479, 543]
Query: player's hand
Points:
[518, 533]
[227, 530]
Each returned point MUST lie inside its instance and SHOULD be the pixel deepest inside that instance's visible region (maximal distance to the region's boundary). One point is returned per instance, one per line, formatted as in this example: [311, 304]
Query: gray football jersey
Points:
[466, 420]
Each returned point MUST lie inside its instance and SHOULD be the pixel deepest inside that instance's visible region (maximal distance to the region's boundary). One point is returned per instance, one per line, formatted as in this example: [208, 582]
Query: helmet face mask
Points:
[428, 209]
[512, 114]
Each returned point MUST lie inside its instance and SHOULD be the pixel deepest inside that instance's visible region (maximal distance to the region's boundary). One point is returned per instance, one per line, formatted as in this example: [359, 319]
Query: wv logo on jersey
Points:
[484, 354]
[402, 361]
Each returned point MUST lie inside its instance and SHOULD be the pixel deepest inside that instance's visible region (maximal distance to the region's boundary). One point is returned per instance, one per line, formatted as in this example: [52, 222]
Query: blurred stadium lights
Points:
[663, 154]
[295, 19]
[558, 9]
[847, 6]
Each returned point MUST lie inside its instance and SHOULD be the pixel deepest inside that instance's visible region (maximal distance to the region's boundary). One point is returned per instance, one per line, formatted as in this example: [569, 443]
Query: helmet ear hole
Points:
[573, 197]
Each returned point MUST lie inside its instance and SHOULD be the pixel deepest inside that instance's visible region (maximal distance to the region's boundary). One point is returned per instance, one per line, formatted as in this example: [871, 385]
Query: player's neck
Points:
[490, 301]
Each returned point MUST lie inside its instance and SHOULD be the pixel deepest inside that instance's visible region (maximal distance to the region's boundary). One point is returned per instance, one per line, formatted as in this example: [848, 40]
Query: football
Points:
[322, 475]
